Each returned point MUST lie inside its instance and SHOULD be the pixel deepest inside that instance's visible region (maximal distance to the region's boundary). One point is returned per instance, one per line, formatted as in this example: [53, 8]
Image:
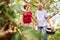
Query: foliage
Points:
[28, 34]
[56, 35]
[7, 16]
[24, 30]
[9, 12]
[1, 19]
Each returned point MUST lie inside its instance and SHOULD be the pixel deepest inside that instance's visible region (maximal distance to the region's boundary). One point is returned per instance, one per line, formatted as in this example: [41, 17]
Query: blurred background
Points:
[14, 12]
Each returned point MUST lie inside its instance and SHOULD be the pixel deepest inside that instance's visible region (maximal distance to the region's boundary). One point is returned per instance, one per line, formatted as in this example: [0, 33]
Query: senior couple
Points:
[41, 18]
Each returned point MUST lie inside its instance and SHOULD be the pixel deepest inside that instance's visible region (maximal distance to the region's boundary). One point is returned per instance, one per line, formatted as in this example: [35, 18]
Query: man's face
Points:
[40, 7]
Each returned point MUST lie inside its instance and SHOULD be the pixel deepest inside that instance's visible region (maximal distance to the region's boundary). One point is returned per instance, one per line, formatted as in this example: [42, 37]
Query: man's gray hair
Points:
[40, 4]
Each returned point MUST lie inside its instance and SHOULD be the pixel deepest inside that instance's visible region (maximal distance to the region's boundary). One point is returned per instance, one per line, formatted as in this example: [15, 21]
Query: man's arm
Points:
[47, 19]
[34, 19]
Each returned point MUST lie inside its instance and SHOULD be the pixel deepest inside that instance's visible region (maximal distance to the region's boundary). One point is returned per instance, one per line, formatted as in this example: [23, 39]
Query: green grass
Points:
[30, 34]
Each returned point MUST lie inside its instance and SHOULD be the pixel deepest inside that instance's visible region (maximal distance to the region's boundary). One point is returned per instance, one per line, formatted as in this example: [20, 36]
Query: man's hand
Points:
[52, 28]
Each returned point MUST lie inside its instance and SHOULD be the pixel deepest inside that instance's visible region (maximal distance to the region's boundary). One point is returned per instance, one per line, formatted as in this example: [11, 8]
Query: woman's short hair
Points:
[25, 6]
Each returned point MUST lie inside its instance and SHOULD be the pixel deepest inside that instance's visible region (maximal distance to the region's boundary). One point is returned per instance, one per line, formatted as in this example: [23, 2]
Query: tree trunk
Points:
[6, 27]
[7, 1]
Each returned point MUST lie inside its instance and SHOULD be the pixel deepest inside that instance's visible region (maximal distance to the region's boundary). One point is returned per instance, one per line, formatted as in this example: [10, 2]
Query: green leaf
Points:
[29, 34]
[51, 1]
[12, 14]
[1, 19]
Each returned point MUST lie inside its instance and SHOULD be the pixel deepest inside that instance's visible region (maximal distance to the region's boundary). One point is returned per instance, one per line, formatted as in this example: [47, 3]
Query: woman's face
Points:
[28, 7]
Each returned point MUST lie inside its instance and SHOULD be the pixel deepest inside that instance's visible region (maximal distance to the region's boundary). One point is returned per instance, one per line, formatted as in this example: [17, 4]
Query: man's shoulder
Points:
[44, 10]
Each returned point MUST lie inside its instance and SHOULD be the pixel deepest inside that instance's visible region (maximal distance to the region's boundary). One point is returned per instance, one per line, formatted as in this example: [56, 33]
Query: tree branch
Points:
[40, 1]
[54, 14]
[29, 3]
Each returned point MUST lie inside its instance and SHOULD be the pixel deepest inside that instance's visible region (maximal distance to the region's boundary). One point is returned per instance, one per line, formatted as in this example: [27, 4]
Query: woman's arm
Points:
[35, 20]
[21, 19]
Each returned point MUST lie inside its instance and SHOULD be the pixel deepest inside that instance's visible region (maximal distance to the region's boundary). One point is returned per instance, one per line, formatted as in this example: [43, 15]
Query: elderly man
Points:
[42, 19]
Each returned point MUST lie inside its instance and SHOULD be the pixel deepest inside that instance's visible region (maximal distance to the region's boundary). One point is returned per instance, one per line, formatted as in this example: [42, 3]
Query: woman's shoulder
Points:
[27, 11]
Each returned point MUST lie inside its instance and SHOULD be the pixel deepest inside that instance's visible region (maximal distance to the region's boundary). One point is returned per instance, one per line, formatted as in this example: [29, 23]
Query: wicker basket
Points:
[50, 31]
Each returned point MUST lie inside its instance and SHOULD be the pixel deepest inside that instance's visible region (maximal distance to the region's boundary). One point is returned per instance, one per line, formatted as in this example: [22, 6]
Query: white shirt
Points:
[41, 17]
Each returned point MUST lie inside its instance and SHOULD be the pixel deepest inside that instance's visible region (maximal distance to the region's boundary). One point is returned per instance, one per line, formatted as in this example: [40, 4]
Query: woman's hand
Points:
[35, 23]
